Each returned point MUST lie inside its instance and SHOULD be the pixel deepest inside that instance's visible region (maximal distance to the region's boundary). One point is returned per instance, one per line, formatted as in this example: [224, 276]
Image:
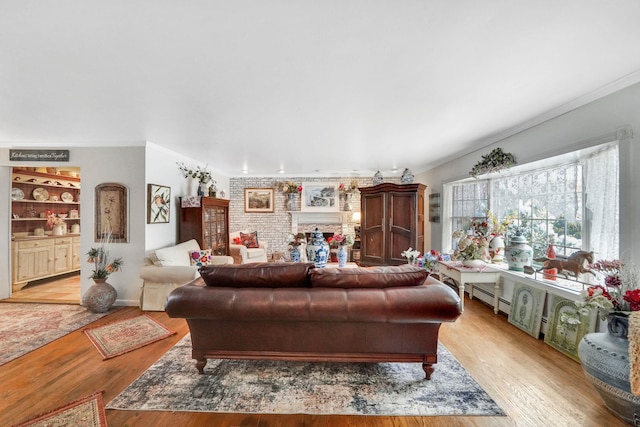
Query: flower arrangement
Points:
[411, 255]
[53, 220]
[619, 293]
[290, 187]
[200, 173]
[100, 259]
[471, 246]
[495, 161]
[339, 240]
[500, 228]
[296, 239]
[348, 189]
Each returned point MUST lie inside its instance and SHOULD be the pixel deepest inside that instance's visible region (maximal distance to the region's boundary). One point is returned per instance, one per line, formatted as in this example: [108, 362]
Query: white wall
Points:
[122, 165]
[587, 125]
[162, 169]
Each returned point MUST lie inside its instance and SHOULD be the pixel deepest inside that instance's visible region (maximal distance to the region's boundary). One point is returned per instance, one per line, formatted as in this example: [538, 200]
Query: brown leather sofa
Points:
[291, 311]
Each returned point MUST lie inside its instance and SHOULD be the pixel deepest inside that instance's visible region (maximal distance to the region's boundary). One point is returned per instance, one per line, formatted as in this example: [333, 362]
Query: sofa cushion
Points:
[368, 277]
[200, 257]
[250, 240]
[257, 275]
[176, 255]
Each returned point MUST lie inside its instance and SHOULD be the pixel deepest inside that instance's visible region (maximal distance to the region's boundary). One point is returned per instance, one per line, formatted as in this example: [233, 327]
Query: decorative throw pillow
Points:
[200, 258]
[250, 240]
[237, 241]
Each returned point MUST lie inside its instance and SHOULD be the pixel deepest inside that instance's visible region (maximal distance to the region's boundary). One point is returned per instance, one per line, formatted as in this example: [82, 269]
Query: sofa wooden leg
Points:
[200, 364]
[428, 370]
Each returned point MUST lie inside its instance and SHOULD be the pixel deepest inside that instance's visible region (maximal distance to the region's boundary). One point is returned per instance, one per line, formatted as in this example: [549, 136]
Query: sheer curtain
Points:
[601, 180]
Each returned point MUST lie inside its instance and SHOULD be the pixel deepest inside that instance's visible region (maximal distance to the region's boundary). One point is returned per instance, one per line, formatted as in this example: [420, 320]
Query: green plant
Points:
[200, 173]
[100, 258]
[495, 161]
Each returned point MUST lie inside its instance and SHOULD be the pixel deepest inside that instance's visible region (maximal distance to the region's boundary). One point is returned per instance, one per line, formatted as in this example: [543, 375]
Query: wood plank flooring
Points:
[63, 290]
[533, 383]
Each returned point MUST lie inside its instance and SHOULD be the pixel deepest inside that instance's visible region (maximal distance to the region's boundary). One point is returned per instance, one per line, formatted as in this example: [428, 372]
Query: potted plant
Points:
[101, 295]
[290, 188]
[199, 173]
[495, 161]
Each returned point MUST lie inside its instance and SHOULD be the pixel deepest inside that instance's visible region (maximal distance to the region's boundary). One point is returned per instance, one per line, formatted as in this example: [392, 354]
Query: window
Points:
[570, 200]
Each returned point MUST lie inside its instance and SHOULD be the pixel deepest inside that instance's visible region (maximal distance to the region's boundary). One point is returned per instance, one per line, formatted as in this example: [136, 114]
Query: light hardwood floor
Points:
[533, 383]
[64, 290]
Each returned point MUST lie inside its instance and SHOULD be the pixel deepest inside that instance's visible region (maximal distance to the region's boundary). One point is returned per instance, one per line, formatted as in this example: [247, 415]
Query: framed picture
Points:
[434, 207]
[526, 308]
[158, 203]
[258, 199]
[320, 197]
[111, 213]
[565, 336]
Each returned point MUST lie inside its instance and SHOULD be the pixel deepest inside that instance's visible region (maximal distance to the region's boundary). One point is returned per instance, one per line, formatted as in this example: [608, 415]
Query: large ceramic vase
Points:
[605, 361]
[342, 256]
[347, 202]
[99, 297]
[290, 201]
[318, 249]
[519, 253]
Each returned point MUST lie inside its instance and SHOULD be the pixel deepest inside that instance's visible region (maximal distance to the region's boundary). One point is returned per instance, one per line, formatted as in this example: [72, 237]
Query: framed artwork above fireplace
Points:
[320, 197]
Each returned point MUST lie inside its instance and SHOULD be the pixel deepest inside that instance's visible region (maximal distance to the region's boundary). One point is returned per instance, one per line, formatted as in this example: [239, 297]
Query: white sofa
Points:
[243, 255]
[168, 268]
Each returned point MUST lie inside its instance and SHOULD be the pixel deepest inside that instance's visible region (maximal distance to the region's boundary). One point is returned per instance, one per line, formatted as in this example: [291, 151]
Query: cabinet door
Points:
[34, 262]
[372, 228]
[75, 250]
[62, 257]
[402, 226]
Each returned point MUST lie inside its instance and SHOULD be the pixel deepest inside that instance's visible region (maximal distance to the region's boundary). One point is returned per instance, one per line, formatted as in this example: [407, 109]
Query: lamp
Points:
[355, 217]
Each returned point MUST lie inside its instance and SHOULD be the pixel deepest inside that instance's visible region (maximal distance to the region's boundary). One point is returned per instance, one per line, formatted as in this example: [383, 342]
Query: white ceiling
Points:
[337, 86]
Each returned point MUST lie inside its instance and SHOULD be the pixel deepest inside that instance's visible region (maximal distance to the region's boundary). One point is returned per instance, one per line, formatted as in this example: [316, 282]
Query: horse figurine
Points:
[574, 264]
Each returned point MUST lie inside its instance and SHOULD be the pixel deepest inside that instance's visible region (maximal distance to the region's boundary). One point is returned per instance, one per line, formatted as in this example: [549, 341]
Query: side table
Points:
[470, 275]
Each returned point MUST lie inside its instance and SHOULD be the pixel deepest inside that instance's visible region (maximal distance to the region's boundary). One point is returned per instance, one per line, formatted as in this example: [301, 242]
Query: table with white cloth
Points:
[469, 275]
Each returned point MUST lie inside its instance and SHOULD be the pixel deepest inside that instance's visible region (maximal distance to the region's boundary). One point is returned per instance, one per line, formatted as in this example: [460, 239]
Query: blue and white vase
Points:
[318, 249]
[342, 256]
[519, 253]
[295, 254]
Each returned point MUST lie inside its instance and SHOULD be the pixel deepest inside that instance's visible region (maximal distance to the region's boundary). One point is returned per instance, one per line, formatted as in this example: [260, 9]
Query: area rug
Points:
[123, 336]
[26, 327]
[86, 412]
[275, 387]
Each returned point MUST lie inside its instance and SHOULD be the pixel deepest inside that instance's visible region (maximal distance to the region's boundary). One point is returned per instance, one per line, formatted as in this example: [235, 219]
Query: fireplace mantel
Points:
[339, 217]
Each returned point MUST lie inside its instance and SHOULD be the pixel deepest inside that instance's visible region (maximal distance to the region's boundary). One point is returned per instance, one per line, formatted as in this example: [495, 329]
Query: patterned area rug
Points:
[26, 327]
[86, 412]
[244, 386]
[123, 336]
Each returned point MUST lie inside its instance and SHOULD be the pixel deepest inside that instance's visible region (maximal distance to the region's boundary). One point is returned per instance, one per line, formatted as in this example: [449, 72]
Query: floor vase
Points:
[99, 297]
[605, 360]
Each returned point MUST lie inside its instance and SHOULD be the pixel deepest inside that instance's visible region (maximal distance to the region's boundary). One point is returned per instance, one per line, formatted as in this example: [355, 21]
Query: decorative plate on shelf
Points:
[16, 194]
[40, 194]
[66, 197]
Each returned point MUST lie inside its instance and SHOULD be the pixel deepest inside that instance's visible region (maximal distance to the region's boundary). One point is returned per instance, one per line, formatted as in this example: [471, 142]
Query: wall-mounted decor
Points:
[434, 207]
[111, 213]
[563, 333]
[38, 155]
[158, 203]
[320, 197]
[258, 199]
[495, 161]
[526, 308]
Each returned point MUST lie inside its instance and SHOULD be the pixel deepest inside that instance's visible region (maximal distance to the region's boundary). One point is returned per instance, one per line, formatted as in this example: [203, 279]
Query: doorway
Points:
[45, 235]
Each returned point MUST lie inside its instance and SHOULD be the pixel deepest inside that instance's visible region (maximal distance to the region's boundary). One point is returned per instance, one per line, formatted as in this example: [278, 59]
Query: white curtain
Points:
[446, 204]
[601, 180]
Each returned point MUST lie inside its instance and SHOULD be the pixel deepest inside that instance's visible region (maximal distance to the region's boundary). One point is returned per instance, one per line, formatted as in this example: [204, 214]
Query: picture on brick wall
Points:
[320, 197]
[258, 199]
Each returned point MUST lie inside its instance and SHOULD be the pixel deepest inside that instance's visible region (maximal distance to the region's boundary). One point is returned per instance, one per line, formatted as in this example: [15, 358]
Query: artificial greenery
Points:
[495, 161]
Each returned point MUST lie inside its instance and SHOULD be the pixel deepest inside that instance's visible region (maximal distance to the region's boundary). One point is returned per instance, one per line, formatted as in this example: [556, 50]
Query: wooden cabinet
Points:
[392, 222]
[76, 256]
[207, 223]
[33, 194]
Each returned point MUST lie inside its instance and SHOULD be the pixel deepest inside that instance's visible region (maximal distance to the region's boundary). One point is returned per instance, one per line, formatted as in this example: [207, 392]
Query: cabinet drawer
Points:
[64, 240]
[37, 243]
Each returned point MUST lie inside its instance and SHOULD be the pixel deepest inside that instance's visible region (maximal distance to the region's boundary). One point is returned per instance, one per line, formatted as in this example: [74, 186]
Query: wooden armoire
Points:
[392, 222]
